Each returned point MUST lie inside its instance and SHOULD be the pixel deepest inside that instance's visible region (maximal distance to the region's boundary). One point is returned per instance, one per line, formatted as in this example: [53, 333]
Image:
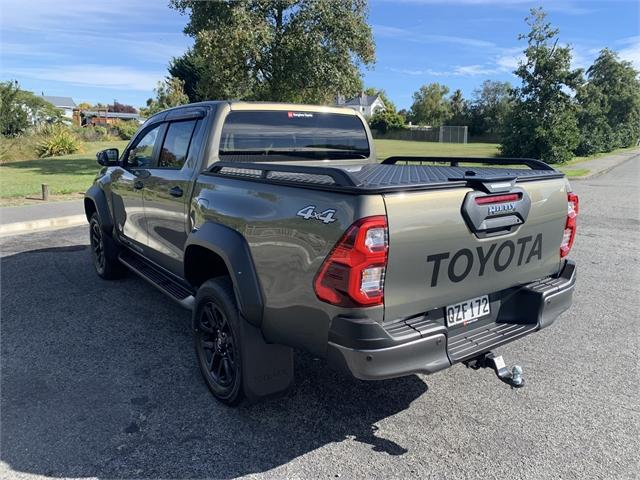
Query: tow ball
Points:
[511, 377]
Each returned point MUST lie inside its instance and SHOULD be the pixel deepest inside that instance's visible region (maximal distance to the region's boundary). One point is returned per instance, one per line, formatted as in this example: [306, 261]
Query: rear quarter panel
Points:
[287, 250]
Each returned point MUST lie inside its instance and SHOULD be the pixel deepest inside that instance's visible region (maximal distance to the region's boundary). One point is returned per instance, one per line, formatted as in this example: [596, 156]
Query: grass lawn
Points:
[570, 170]
[69, 174]
[599, 155]
[575, 172]
[390, 148]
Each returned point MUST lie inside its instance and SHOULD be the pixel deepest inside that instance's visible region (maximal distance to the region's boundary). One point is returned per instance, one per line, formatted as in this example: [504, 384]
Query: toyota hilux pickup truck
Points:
[278, 228]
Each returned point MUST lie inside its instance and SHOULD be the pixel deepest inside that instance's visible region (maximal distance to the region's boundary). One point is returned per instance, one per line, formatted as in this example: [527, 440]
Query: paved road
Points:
[99, 380]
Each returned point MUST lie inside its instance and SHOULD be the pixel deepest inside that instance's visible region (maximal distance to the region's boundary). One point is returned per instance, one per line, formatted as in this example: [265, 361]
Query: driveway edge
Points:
[18, 228]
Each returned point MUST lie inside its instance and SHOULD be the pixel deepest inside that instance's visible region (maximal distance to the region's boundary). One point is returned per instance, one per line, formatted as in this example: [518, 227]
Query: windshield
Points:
[314, 135]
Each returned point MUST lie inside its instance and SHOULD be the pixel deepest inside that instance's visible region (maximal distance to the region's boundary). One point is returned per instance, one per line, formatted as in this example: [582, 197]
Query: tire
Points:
[104, 251]
[217, 340]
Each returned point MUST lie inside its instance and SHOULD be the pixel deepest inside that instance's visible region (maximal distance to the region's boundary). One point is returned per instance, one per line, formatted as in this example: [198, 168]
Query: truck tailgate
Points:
[435, 258]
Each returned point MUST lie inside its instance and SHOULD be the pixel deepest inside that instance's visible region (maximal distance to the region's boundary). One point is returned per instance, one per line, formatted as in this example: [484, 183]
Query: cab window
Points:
[141, 154]
[175, 147]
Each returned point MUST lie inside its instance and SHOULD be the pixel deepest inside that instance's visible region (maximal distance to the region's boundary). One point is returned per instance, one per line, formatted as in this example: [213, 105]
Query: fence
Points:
[445, 134]
[422, 134]
[450, 134]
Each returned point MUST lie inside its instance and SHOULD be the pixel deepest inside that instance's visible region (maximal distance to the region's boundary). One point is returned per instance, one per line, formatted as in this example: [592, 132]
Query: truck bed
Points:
[389, 176]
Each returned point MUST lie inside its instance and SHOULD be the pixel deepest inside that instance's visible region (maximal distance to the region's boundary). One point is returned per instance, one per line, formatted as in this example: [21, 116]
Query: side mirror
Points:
[108, 157]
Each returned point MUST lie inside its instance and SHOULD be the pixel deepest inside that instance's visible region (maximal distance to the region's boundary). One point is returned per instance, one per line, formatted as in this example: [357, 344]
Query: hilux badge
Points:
[501, 207]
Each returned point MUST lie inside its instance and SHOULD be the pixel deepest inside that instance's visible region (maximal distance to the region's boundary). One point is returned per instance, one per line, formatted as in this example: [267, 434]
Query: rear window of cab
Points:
[316, 135]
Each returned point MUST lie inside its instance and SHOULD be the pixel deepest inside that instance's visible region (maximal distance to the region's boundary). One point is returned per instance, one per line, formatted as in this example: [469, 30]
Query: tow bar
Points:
[511, 377]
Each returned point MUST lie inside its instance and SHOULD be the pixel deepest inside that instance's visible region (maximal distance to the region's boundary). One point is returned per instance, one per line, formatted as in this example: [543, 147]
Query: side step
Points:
[159, 279]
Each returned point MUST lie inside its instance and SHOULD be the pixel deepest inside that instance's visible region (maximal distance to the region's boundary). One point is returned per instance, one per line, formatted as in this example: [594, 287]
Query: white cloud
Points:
[419, 72]
[68, 14]
[417, 37]
[92, 75]
[572, 7]
[473, 70]
[508, 59]
[13, 49]
[64, 41]
[632, 51]
[457, 71]
[504, 61]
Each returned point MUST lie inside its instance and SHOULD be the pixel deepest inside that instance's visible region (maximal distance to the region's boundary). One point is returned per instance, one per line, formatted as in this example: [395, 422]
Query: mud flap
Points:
[267, 368]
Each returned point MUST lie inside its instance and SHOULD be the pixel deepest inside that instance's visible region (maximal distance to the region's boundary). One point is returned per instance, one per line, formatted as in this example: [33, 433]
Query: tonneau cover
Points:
[376, 178]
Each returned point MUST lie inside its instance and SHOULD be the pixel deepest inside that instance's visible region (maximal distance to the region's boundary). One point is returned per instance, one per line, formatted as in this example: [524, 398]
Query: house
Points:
[64, 104]
[367, 105]
[102, 117]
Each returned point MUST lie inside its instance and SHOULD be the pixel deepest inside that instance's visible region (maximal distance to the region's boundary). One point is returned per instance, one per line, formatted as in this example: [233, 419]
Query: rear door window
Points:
[175, 147]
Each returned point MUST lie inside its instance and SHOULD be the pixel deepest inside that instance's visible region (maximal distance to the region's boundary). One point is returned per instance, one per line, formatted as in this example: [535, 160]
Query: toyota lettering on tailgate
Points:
[499, 256]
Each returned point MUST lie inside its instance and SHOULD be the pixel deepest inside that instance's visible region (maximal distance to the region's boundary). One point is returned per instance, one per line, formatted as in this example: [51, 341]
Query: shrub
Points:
[386, 120]
[126, 129]
[91, 133]
[21, 147]
[60, 141]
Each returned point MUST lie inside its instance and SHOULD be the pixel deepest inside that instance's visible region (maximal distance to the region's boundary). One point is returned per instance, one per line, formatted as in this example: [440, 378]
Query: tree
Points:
[459, 109]
[169, 93]
[278, 50]
[190, 69]
[490, 107]
[386, 120]
[19, 109]
[596, 134]
[13, 118]
[542, 123]
[121, 108]
[430, 105]
[609, 115]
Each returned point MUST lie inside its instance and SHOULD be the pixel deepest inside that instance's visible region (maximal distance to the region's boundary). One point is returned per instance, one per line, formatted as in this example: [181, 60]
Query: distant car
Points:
[278, 228]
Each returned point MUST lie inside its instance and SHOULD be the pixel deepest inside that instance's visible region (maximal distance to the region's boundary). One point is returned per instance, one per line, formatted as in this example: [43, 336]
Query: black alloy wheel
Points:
[104, 251]
[217, 340]
[97, 246]
[218, 349]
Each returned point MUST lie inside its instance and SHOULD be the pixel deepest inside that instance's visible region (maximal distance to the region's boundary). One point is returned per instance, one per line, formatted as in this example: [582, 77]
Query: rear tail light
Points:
[569, 235]
[353, 273]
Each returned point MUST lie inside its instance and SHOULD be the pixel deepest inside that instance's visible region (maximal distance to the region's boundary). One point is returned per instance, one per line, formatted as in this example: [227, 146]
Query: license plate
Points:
[468, 311]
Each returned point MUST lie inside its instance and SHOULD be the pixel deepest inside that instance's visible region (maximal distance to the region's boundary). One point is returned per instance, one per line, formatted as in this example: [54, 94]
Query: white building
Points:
[64, 104]
[367, 105]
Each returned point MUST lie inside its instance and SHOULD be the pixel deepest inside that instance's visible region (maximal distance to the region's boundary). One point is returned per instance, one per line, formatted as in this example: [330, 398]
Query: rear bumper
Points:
[424, 344]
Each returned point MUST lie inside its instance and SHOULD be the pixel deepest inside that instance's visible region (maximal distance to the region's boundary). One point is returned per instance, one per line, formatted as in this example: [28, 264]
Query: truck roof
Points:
[239, 105]
[289, 106]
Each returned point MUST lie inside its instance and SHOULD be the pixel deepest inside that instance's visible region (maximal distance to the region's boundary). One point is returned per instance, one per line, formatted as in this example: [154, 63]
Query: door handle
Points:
[138, 185]
[176, 192]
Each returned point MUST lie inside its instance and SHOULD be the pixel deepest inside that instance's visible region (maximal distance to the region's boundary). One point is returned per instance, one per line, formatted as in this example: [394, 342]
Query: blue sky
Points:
[101, 50]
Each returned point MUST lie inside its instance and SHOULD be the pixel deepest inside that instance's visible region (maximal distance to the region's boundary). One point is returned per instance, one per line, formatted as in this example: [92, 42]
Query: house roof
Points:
[60, 102]
[124, 116]
[362, 100]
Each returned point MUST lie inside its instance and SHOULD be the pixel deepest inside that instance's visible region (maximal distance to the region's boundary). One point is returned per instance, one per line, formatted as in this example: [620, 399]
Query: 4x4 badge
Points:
[309, 212]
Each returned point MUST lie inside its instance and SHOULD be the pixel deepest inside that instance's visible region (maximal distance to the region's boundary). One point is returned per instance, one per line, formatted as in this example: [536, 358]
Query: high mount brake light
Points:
[509, 197]
[569, 235]
[353, 273]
